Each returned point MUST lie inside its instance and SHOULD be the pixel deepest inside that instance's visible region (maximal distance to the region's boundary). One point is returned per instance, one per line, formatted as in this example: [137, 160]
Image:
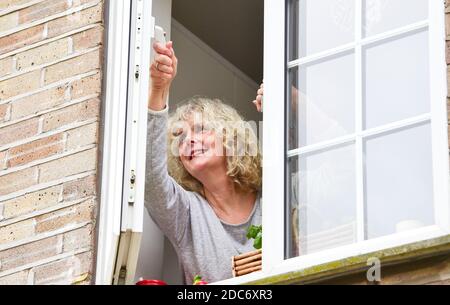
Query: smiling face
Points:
[208, 139]
[200, 148]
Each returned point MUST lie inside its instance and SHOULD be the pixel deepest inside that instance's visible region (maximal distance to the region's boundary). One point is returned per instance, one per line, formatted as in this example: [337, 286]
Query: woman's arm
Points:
[162, 72]
[166, 201]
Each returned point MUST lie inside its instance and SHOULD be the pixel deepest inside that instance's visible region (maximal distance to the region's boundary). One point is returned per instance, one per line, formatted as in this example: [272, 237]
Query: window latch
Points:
[136, 74]
[132, 187]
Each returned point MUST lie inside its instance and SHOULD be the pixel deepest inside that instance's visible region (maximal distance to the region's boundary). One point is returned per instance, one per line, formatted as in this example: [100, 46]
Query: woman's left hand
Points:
[259, 98]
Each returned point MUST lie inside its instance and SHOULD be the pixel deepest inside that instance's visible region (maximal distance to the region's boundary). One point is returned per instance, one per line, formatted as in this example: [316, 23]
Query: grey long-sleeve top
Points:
[204, 243]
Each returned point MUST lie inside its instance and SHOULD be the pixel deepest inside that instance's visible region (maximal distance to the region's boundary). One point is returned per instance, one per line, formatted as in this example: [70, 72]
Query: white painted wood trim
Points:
[273, 188]
[362, 42]
[439, 123]
[114, 120]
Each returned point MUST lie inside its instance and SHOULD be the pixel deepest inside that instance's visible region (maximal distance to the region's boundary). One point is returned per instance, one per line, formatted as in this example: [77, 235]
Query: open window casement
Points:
[131, 28]
[355, 131]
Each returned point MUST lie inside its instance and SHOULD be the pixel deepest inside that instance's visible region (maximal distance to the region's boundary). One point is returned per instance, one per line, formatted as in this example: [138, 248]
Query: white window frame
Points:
[120, 224]
[124, 140]
[274, 147]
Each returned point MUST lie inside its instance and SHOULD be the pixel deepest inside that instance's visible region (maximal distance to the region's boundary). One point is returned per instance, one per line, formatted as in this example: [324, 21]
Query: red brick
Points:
[78, 239]
[4, 4]
[3, 112]
[74, 21]
[88, 39]
[6, 66]
[64, 271]
[35, 150]
[79, 213]
[31, 202]
[19, 180]
[86, 86]
[37, 102]
[21, 39]
[20, 84]
[82, 136]
[42, 10]
[70, 165]
[79, 188]
[18, 131]
[71, 114]
[18, 278]
[29, 253]
[3, 159]
[72, 67]
[17, 231]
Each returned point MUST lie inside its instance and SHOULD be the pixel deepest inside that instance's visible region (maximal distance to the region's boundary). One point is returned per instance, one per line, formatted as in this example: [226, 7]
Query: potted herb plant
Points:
[251, 261]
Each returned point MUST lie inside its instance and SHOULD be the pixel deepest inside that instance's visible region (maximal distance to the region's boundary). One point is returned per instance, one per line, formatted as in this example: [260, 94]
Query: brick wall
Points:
[50, 86]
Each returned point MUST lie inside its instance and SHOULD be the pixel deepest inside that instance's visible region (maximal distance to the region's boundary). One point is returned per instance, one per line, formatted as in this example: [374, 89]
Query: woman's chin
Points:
[199, 163]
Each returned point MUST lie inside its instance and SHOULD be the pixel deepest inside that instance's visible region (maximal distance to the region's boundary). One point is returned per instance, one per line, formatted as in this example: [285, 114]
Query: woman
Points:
[203, 192]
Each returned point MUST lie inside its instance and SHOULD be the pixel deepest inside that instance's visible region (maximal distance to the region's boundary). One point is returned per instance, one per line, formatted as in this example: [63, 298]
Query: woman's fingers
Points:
[164, 64]
[163, 68]
[163, 60]
[157, 73]
[162, 49]
[257, 104]
[173, 57]
[259, 98]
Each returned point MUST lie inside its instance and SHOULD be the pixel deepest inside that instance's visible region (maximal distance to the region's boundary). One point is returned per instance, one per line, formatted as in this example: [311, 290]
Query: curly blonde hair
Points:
[243, 155]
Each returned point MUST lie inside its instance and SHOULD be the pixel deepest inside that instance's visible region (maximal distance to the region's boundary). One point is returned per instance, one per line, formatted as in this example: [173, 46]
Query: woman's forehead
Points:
[194, 118]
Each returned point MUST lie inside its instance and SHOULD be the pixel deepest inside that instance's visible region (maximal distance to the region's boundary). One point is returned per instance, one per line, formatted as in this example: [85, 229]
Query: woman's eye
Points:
[198, 129]
[205, 129]
[182, 138]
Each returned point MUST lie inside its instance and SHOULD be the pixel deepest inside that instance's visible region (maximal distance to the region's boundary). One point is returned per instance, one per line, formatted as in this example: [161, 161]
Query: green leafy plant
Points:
[255, 232]
[198, 280]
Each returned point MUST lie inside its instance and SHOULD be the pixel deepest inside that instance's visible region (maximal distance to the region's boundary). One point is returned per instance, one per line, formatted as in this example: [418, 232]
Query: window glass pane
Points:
[322, 200]
[385, 15]
[322, 101]
[396, 79]
[331, 20]
[399, 183]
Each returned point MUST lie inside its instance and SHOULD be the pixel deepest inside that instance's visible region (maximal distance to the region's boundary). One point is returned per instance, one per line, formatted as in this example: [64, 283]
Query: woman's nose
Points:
[194, 137]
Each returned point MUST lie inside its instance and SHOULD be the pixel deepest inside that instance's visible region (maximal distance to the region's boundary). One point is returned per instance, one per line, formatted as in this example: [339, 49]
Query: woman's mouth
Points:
[196, 153]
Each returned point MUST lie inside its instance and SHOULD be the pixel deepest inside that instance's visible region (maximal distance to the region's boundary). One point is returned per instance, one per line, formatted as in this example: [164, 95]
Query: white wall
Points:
[202, 71]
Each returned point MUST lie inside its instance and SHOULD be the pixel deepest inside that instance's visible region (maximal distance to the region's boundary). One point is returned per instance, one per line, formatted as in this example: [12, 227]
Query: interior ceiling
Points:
[233, 28]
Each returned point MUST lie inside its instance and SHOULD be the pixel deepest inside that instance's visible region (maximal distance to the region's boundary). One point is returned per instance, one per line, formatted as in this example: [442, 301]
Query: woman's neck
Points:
[230, 203]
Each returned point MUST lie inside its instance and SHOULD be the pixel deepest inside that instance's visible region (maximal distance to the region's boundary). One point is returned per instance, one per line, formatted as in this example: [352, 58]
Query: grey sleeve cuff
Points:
[158, 112]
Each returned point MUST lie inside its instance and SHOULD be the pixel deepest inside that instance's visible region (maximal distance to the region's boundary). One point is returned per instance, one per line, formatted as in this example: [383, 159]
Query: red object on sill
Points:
[150, 282]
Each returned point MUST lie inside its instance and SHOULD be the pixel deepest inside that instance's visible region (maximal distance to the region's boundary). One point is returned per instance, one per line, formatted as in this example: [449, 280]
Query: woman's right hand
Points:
[162, 72]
